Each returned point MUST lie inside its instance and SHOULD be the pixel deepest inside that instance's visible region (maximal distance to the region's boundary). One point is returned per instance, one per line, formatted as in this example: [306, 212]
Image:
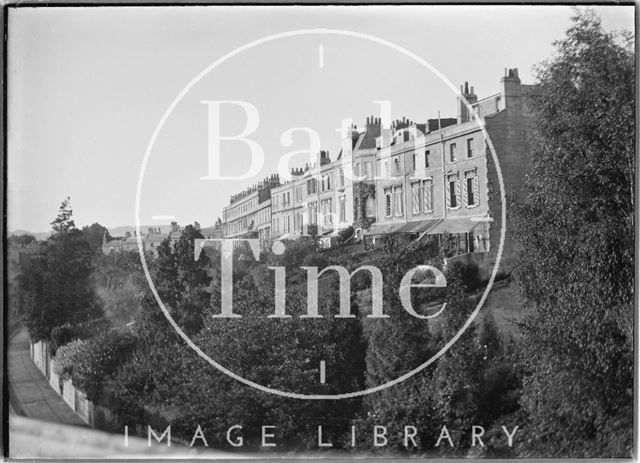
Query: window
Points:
[368, 170]
[471, 188]
[452, 152]
[426, 158]
[343, 211]
[414, 161]
[387, 172]
[356, 170]
[398, 202]
[369, 207]
[428, 195]
[313, 213]
[388, 205]
[312, 186]
[298, 194]
[327, 219]
[341, 177]
[329, 176]
[396, 167]
[452, 191]
[288, 198]
[417, 197]
[470, 147]
[298, 222]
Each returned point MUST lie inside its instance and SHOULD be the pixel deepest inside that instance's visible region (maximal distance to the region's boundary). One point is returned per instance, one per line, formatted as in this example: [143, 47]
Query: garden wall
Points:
[97, 416]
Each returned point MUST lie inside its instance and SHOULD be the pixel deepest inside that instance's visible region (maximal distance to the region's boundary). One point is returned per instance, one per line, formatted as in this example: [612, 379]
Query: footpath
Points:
[29, 392]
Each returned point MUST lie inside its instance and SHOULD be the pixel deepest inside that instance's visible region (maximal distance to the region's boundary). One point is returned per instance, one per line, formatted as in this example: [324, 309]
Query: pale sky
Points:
[88, 86]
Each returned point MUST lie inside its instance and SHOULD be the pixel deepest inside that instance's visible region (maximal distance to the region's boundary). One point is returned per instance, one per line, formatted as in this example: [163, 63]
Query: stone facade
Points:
[431, 178]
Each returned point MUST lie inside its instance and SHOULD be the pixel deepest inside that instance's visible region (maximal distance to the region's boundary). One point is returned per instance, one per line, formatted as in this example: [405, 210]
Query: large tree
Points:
[57, 289]
[576, 232]
[95, 234]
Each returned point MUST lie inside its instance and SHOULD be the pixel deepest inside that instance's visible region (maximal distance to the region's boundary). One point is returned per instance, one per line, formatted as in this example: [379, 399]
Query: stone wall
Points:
[96, 415]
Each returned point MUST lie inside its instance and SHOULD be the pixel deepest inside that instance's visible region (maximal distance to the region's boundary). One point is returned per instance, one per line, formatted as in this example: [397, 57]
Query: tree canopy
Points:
[576, 232]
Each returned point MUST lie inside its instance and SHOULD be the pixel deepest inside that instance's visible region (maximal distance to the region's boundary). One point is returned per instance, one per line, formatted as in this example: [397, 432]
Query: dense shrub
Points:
[98, 360]
[66, 333]
[345, 234]
[67, 356]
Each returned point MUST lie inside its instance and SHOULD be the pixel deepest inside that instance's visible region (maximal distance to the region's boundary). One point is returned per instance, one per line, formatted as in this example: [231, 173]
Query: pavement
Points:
[42, 425]
[29, 392]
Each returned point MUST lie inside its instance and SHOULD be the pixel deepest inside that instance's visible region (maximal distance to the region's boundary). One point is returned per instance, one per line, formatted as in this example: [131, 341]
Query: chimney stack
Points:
[511, 89]
[471, 97]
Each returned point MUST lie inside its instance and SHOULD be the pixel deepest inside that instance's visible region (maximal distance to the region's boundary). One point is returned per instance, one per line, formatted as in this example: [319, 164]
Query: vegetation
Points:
[568, 381]
[56, 289]
[576, 230]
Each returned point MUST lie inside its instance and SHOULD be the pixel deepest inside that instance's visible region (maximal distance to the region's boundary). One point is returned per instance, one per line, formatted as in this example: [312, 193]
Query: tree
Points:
[22, 240]
[57, 288]
[95, 234]
[575, 228]
[120, 284]
[399, 344]
[182, 281]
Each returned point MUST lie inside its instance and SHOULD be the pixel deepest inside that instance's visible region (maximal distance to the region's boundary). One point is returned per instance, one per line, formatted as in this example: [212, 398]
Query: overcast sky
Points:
[88, 86]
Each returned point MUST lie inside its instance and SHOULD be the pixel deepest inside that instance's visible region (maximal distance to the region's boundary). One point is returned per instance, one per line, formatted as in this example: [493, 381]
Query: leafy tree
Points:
[57, 288]
[98, 359]
[575, 227]
[399, 344]
[282, 353]
[183, 282]
[95, 234]
[120, 284]
[22, 240]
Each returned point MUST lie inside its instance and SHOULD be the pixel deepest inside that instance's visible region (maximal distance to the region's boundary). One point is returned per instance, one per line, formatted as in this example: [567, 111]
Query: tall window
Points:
[428, 195]
[312, 185]
[398, 202]
[343, 211]
[417, 197]
[452, 152]
[326, 212]
[368, 170]
[396, 167]
[313, 213]
[388, 204]
[426, 158]
[471, 188]
[298, 221]
[341, 177]
[470, 147]
[452, 191]
[387, 172]
[329, 175]
[413, 159]
[356, 170]
[369, 207]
